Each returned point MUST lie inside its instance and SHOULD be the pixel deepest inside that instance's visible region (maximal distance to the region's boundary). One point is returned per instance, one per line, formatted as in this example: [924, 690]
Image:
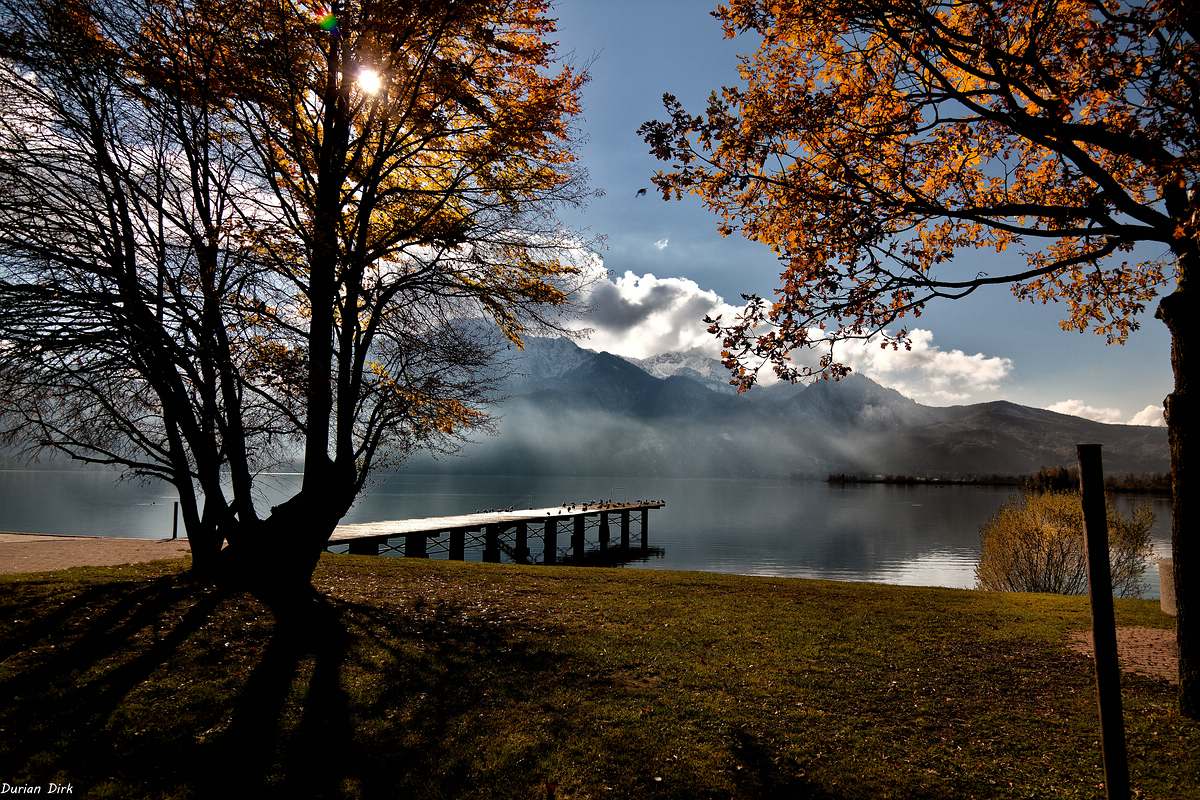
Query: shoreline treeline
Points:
[1046, 479]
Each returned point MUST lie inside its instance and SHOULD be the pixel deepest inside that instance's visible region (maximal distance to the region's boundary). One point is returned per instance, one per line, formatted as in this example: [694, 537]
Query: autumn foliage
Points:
[1034, 543]
[232, 234]
[870, 143]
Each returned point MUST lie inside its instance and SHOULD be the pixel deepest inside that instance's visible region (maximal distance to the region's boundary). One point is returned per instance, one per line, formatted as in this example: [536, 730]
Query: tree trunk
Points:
[275, 557]
[1178, 312]
[206, 554]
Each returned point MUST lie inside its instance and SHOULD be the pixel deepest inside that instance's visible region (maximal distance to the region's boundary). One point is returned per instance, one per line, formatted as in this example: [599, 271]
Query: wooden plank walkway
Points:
[365, 538]
[435, 526]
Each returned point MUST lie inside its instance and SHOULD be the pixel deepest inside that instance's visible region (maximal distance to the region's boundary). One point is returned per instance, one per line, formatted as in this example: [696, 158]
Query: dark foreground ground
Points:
[439, 680]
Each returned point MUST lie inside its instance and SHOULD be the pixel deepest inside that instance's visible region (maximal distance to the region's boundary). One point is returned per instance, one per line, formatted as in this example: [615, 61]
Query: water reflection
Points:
[924, 535]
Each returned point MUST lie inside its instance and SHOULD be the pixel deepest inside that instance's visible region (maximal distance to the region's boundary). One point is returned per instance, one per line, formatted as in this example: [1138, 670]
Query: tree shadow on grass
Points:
[161, 687]
[424, 686]
[764, 773]
[289, 726]
[71, 668]
[88, 626]
[467, 700]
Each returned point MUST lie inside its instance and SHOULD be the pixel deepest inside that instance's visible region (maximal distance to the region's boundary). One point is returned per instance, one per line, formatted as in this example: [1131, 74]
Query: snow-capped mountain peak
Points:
[698, 365]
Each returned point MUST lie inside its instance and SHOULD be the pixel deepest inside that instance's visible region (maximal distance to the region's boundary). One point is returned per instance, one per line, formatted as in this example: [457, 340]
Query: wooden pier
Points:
[509, 533]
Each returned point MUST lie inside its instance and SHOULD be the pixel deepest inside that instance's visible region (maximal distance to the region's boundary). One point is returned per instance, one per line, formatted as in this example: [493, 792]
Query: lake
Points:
[923, 535]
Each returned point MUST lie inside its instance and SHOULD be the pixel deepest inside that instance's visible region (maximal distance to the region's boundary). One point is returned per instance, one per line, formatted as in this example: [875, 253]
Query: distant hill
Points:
[577, 412]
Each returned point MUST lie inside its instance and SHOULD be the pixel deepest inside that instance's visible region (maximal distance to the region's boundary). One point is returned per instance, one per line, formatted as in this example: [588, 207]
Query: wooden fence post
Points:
[1104, 624]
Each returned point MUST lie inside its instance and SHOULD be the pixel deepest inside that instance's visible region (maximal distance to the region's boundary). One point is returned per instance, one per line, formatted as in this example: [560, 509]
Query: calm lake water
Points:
[912, 535]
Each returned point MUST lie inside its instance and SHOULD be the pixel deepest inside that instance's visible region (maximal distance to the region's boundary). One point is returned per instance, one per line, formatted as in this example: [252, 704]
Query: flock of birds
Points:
[601, 505]
[571, 508]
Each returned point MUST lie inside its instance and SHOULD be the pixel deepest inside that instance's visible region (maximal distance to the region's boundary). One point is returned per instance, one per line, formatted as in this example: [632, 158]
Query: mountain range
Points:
[572, 411]
[567, 410]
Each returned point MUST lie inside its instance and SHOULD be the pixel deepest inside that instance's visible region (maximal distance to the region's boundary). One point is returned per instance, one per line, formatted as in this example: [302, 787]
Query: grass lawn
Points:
[440, 680]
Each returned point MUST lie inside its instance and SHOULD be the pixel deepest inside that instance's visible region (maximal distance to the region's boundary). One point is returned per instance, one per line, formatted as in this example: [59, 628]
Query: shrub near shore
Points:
[1035, 543]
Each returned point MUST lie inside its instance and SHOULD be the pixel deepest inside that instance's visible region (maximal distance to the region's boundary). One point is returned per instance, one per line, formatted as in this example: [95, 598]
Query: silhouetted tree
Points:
[872, 141]
[234, 231]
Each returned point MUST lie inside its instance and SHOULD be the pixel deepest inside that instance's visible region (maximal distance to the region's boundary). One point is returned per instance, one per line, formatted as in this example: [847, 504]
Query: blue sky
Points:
[637, 50]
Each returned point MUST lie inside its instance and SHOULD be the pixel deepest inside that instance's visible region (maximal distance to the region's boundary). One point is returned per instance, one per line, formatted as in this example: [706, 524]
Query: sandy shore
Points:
[29, 552]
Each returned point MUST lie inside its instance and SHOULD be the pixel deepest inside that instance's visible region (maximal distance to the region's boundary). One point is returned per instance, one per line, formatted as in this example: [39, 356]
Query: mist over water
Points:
[921, 535]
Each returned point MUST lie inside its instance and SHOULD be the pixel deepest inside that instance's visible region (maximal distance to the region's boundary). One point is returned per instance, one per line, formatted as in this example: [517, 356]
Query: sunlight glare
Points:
[369, 80]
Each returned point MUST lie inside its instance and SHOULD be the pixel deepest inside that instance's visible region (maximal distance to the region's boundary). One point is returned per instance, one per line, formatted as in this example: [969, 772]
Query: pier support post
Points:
[603, 531]
[645, 529]
[414, 546]
[491, 543]
[522, 543]
[458, 545]
[625, 530]
[578, 545]
[550, 542]
[364, 547]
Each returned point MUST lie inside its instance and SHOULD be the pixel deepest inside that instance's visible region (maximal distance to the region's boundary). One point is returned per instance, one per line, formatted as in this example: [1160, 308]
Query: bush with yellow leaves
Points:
[1035, 543]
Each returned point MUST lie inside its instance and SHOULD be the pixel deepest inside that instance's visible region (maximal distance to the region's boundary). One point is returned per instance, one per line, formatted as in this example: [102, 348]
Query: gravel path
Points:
[27, 552]
[1143, 651]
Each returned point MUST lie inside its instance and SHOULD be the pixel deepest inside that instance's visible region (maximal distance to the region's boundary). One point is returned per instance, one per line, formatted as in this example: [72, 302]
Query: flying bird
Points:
[640, 192]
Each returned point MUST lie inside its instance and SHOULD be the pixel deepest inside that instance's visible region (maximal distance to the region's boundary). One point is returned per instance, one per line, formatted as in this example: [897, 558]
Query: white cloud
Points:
[662, 243]
[927, 373]
[1078, 408]
[1151, 415]
[643, 315]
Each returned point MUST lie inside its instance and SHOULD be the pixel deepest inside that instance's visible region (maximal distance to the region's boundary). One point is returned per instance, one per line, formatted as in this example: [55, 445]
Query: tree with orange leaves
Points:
[231, 233]
[871, 142]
